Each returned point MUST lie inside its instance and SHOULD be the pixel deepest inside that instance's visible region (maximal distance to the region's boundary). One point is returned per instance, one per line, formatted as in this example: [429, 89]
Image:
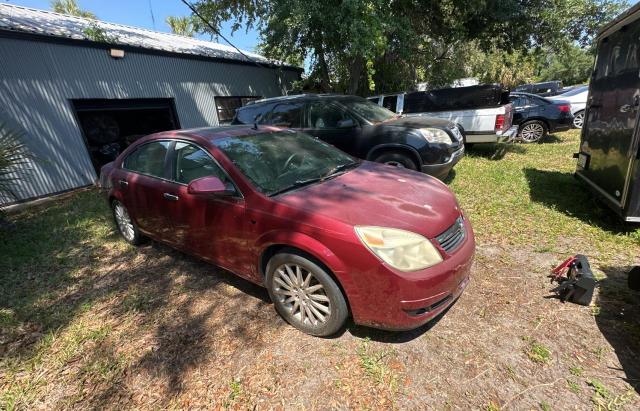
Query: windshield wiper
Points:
[337, 169]
[301, 183]
[297, 184]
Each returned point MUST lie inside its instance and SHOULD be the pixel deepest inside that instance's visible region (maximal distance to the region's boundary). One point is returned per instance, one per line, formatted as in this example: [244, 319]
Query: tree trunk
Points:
[355, 72]
[325, 82]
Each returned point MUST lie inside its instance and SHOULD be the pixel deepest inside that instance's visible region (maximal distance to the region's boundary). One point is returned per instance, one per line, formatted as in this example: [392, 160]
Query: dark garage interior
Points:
[110, 125]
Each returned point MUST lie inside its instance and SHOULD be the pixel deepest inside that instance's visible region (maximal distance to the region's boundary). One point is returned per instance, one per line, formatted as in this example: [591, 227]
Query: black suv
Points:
[364, 129]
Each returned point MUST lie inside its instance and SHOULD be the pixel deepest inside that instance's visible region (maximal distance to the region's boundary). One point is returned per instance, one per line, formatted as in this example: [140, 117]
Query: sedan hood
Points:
[379, 195]
[418, 122]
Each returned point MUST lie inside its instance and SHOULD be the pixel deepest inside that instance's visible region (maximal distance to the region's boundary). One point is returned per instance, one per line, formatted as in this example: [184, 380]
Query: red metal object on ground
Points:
[576, 281]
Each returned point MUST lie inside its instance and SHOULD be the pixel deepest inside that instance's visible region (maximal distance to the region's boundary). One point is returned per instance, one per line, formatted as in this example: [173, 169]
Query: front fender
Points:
[314, 248]
[305, 243]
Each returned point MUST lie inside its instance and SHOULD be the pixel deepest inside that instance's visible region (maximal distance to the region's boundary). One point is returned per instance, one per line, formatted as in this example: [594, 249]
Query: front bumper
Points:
[442, 170]
[409, 300]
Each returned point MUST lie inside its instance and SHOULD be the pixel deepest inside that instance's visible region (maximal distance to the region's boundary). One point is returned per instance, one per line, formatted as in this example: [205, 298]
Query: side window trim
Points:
[173, 158]
[165, 164]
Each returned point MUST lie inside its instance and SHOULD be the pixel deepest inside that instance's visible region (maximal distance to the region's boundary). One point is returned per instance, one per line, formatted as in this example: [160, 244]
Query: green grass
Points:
[374, 362]
[536, 351]
[527, 194]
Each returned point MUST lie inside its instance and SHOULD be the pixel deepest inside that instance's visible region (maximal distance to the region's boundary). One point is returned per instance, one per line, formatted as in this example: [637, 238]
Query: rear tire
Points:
[126, 226]
[532, 131]
[305, 295]
[397, 159]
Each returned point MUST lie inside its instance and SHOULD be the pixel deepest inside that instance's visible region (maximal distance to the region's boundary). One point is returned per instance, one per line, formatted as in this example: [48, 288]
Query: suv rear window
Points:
[250, 114]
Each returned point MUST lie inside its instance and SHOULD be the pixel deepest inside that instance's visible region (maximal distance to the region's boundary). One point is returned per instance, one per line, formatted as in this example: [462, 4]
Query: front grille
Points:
[452, 237]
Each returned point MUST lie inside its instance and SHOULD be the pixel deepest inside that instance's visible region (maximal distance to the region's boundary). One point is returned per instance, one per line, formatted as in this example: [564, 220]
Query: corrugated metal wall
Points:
[38, 80]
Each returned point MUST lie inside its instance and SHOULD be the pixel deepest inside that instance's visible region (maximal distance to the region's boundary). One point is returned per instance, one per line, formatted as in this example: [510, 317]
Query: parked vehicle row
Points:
[330, 236]
[483, 112]
[286, 198]
[364, 130]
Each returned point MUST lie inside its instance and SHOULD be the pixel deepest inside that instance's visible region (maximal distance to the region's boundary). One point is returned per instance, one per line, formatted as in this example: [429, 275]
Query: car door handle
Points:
[171, 197]
[124, 183]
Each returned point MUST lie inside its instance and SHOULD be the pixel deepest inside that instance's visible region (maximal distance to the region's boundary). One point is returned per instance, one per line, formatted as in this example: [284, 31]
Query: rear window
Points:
[250, 114]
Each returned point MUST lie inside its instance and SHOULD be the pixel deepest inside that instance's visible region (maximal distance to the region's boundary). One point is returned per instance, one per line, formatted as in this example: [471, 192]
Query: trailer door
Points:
[612, 112]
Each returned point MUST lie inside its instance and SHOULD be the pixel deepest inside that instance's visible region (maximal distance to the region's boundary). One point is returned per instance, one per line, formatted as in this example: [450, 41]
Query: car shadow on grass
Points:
[496, 151]
[563, 192]
[550, 139]
[64, 284]
[617, 314]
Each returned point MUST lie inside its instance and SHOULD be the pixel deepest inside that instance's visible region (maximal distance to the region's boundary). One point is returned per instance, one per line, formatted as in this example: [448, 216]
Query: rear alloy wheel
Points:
[125, 224]
[578, 119]
[532, 131]
[305, 295]
[396, 159]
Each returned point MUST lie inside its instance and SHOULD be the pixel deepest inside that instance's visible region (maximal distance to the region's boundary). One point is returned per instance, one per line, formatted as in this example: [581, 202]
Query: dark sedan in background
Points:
[363, 129]
[536, 116]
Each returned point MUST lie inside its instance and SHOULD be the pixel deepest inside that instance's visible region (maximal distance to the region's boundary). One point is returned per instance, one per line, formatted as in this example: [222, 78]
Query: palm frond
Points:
[15, 160]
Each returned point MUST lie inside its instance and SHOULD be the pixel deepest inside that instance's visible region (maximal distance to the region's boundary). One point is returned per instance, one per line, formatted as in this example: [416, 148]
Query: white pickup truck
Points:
[483, 112]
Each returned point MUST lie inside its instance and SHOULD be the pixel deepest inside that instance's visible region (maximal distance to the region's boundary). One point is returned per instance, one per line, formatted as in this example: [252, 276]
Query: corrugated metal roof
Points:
[43, 22]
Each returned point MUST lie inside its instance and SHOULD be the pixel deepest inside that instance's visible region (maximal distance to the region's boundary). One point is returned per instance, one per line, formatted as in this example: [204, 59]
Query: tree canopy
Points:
[181, 25]
[373, 46]
[70, 7]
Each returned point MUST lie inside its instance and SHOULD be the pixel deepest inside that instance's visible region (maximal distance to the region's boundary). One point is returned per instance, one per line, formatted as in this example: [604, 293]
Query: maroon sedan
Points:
[328, 235]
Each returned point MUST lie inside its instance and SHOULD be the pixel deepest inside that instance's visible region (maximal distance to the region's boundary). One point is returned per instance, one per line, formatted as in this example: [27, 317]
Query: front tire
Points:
[578, 119]
[532, 131]
[126, 226]
[305, 295]
[396, 159]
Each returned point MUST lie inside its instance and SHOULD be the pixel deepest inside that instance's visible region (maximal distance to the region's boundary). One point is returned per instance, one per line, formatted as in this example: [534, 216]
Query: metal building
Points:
[82, 89]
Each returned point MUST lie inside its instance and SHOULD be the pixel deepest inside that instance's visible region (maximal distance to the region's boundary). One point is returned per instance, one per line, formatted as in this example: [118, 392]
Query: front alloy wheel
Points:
[532, 132]
[305, 295]
[578, 119]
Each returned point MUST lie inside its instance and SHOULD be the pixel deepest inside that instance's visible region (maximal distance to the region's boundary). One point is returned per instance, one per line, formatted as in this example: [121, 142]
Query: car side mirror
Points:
[209, 185]
[346, 123]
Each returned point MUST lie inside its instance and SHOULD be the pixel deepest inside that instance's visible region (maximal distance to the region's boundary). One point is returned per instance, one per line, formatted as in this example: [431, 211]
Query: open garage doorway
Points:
[109, 126]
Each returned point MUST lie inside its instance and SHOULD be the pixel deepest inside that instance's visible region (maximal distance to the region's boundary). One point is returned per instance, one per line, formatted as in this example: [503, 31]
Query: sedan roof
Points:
[220, 132]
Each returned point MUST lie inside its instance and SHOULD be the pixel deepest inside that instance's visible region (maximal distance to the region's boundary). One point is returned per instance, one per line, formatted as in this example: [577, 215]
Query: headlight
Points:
[436, 135]
[403, 250]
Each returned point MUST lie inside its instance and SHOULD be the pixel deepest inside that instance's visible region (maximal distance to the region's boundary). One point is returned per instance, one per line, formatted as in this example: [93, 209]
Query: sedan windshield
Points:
[285, 160]
[367, 110]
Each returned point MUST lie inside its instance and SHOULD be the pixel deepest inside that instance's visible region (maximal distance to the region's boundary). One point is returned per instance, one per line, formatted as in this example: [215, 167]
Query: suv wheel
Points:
[532, 131]
[397, 159]
[305, 295]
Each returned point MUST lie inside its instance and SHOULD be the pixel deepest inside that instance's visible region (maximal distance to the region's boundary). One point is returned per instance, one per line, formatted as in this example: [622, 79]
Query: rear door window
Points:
[252, 114]
[148, 159]
[325, 115]
[285, 115]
